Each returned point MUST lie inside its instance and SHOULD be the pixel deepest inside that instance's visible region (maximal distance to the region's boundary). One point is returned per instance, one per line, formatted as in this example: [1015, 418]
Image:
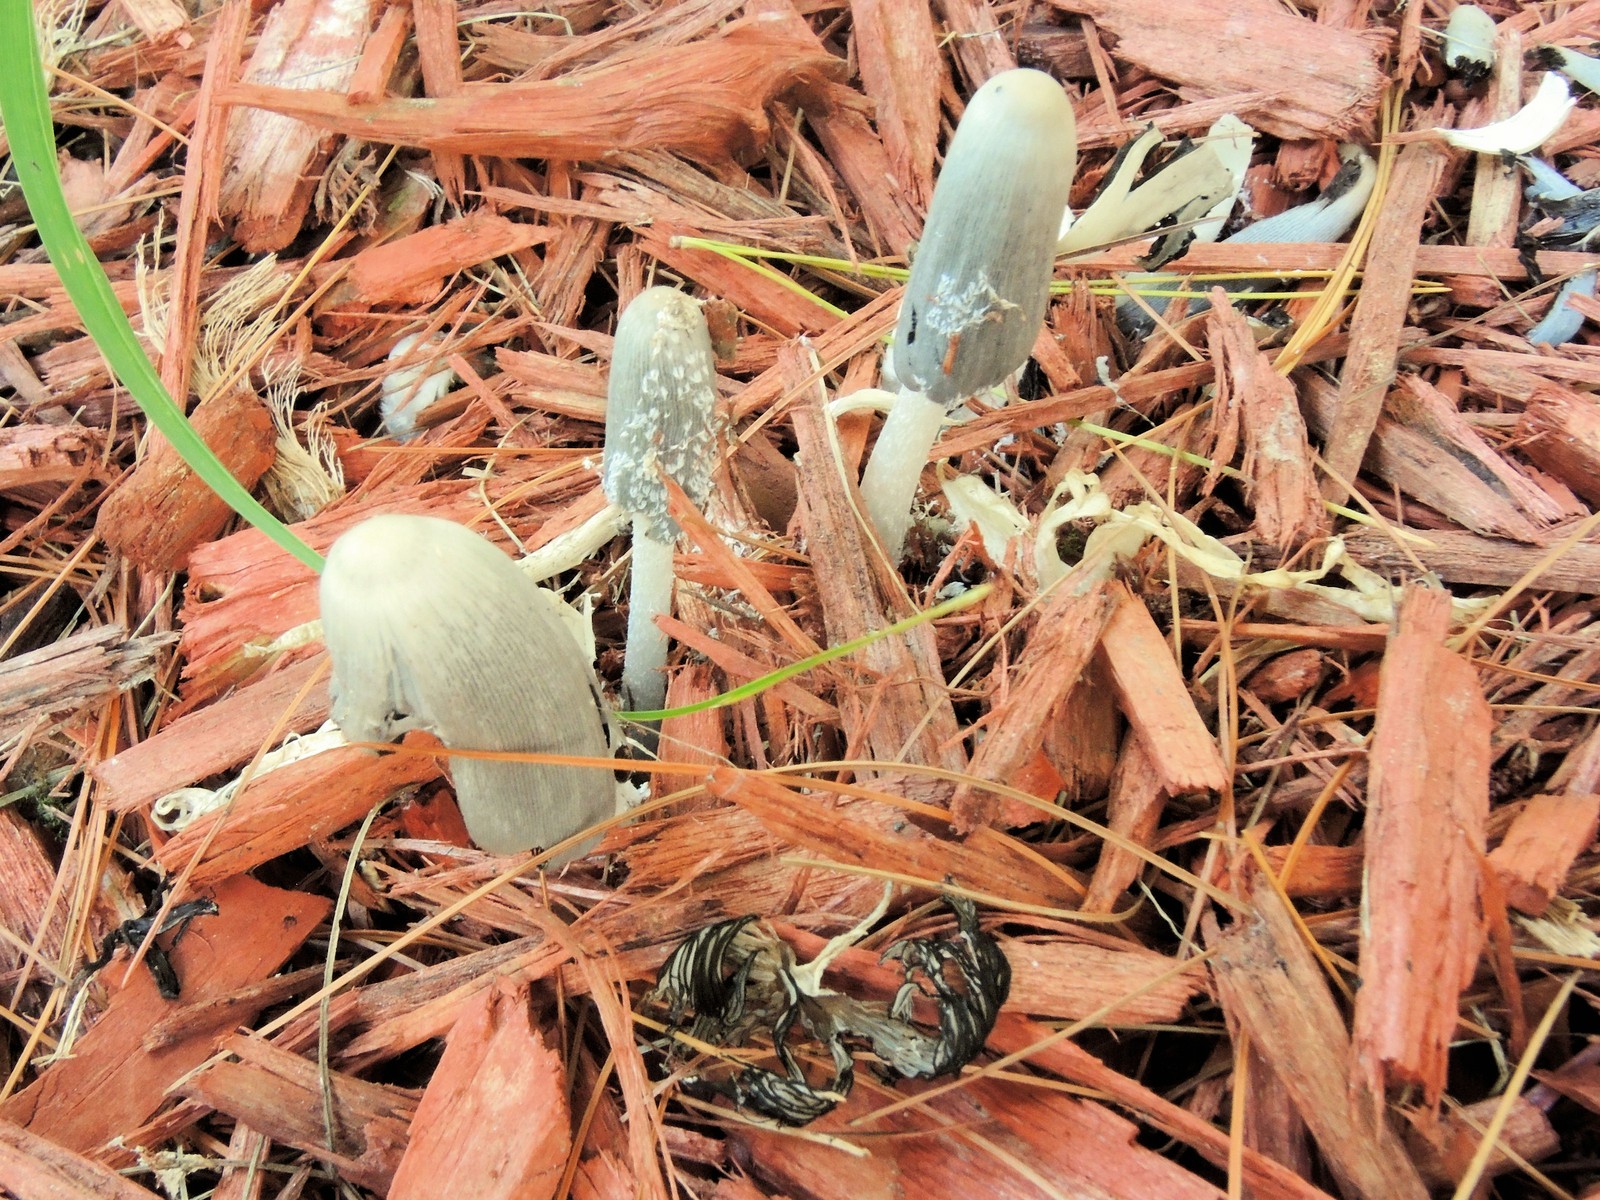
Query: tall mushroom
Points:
[430, 627]
[660, 421]
[980, 282]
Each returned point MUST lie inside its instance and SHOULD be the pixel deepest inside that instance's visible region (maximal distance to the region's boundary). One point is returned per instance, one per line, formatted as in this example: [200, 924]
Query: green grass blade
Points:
[773, 678]
[25, 112]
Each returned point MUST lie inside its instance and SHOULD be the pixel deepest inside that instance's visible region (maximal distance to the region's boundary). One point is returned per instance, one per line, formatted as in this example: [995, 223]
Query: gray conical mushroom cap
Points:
[981, 277]
[430, 627]
[660, 408]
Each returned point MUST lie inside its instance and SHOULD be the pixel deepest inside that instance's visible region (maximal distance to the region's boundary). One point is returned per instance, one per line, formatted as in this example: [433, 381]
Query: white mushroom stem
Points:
[889, 484]
[644, 683]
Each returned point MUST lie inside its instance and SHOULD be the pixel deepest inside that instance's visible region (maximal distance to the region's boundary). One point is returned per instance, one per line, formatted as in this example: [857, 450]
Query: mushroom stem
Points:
[889, 484]
[644, 686]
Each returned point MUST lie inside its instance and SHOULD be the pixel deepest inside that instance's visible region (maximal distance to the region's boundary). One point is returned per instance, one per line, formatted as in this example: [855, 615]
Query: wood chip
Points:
[1540, 847]
[1380, 312]
[1325, 82]
[705, 101]
[1152, 695]
[1427, 798]
[112, 1083]
[281, 1095]
[1273, 991]
[160, 515]
[494, 1120]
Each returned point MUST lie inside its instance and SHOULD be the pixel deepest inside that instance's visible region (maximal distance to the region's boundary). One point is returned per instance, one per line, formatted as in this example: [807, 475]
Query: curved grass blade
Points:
[773, 678]
[25, 112]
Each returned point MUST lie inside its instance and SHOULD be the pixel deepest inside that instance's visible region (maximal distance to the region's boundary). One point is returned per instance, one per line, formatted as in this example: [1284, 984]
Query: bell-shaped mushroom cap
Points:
[430, 627]
[981, 277]
[660, 408]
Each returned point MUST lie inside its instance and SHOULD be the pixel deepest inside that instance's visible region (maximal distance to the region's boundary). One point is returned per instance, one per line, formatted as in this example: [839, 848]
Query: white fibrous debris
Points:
[304, 477]
[1525, 130]
[409, 390]
[177, 810]
[957, 308]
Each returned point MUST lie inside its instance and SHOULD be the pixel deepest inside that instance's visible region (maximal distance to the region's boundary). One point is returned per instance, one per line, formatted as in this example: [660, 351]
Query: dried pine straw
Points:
[1295, 881]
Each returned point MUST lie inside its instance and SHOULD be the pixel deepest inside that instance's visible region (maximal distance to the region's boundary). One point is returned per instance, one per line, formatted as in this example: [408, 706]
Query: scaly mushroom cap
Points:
[430, 627]
[981, 277]
[660, 408]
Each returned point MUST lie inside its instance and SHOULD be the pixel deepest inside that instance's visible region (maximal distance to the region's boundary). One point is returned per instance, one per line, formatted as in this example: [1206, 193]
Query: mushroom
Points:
[1469, 49]
[660, 421]
[980, 282]
[430, 627]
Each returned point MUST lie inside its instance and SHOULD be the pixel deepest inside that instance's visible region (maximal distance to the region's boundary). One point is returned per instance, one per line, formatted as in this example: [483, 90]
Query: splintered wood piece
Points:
[25, 888]
[1325, 82]
[1540, 847]
[1426, 411]
[989, 863]
[1380, 312]
[784, 310]
[1011, 1140]
[197, 201]
[706, 101]
[1320, 872]
[1496, 186]
[1283, 488]
[1560, 430]
[494, 1120]
[697, 740]
[272, 159]
[285, 809]
[1454, 475]
[1457, 556]
[897, 51]
[1427, 799]
[1153, 696]
[410, 269]
[1444, 1149]
[45, 454]
[1066, 631]
[853, 147]
[1274, 993]
[73, 672]
[905, 714]
[1082, 733]
[164, 510]
[379, 56]
[113, 1082]
[1084, 972]
[281, 1095]
[439, 54]
[1134, 809]
[1271, 1125]
[36, 1168]
[216, 738]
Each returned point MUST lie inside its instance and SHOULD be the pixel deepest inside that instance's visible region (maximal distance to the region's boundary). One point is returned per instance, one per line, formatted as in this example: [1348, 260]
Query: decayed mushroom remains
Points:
[980, 282]
[431, 627]
[660, 420]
